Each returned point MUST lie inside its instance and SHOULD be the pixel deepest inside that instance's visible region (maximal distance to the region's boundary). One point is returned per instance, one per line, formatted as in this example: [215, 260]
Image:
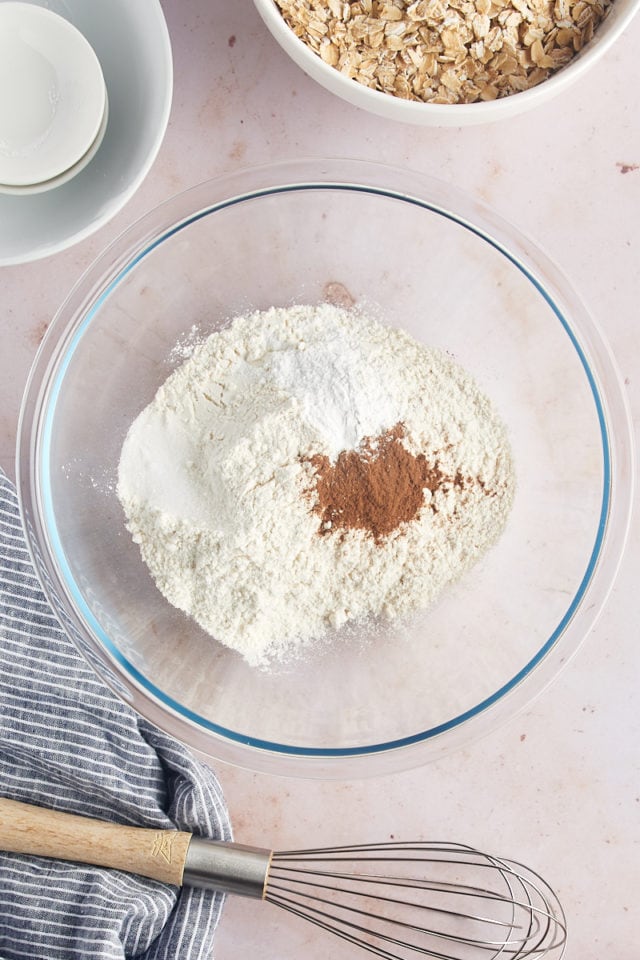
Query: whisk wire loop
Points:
[393, 907]
[330, 922]
[380, 898]
[508, 945]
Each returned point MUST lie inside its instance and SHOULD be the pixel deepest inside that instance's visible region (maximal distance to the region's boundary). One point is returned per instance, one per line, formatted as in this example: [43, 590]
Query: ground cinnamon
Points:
[375, 488]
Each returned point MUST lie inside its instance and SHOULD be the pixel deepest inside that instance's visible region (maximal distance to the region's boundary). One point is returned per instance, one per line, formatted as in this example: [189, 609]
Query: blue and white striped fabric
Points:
[67, 743]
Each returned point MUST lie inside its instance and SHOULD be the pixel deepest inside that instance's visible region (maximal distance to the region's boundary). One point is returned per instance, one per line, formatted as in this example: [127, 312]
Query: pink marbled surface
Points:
[559, 786]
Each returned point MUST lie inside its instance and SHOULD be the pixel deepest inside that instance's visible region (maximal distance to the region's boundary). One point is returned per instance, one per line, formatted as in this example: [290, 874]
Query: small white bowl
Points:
[446, 115]
[68, 174]
[132, 43]
[52, 96]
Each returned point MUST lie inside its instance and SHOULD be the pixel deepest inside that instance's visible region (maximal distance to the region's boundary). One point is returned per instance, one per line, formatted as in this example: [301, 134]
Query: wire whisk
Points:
[398, 901]
[401, 900]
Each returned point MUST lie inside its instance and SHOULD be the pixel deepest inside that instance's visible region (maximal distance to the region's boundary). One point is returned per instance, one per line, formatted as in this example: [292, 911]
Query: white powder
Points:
[215, 478]
[335, 385]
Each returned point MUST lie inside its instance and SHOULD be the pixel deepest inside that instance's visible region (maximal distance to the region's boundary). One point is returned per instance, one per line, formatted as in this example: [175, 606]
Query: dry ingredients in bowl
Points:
[445, 51]
[308, 467]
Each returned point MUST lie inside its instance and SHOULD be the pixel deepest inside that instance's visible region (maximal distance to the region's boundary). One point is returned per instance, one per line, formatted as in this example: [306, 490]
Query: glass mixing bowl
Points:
[454, 276]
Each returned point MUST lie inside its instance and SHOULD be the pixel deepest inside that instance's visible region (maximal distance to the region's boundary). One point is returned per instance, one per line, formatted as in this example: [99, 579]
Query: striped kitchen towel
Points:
[67, 743]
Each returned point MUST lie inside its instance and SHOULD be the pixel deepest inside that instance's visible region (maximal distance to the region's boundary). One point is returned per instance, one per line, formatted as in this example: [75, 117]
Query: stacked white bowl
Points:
[53, 99]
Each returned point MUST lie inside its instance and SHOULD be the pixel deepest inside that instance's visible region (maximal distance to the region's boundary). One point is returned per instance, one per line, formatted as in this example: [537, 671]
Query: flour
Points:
[217, 485]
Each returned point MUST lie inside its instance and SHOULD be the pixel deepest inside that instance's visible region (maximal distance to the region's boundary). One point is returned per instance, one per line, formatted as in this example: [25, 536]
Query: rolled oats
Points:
[445, 51]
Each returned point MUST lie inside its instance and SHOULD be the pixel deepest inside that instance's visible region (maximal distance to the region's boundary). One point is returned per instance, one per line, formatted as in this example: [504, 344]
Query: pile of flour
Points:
[215, 476]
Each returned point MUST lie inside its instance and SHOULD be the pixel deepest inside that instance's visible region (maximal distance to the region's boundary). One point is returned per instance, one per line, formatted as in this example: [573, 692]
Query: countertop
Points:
[559, 785]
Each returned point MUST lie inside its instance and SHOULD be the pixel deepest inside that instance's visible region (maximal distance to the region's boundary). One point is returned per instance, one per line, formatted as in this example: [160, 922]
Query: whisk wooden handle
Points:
[158, 854]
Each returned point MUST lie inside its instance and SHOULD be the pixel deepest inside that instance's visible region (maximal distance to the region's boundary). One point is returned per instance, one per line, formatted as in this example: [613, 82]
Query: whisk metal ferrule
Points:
[227, 867]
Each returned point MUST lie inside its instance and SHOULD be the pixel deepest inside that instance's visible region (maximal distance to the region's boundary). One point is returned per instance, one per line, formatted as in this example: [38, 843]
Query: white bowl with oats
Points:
[446, 62]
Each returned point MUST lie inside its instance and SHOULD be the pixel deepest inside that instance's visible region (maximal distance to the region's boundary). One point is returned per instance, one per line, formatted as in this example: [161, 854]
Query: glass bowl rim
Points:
[74, 318]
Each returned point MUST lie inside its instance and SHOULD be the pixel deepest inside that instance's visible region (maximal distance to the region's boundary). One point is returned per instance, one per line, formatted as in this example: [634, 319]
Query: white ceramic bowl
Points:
[131, 41]
[446, 115]
[52, 96]
[68, 174]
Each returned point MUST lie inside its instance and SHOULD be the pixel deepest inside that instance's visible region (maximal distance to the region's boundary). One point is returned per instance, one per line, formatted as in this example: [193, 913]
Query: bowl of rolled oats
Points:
[446, 62]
